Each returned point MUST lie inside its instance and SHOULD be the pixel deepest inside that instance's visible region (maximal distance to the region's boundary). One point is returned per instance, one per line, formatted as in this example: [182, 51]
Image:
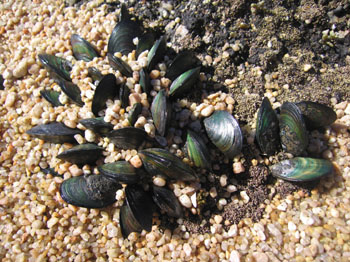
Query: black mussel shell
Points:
[98, 125]
[57, 65]
[134, 112]
[106, 89]
[1, 82]
[156, 53]
[145, 82]
[128, 223]
[167, 201]
[71, 90]
[197, 150]
[51, 96]
[118, 64]
[293, 134]
[94, 191]
[55, 132]
[50, 171]
[141, 205]
[184, 82]
[224, 131]
[127, 137]
[82, 154]
[183, 62]
[161, 112]
[316, 115]
[120, 171]
[124, 93]
[301, 169]
[121, 39]
[145, 43]
[95, 74]
[267, 129]
[82, 49]
[159, 161]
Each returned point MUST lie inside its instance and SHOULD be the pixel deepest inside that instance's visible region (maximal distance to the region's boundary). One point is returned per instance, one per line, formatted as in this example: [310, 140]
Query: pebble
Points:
[20, 69]
[207, 111]
[306, 218]
[238, 168]
[159, 181]
[307, 67]
[10, 100]
[260, 257]
[187, 249]
[52, 221]
[37, 28]
[235, 256]
[135, 161]
[185, 201]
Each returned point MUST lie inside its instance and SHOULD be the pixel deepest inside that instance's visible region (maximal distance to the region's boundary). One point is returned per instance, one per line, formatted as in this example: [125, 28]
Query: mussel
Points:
[51, 96]
[82, 154]
[159, 161]
[55, 132]
[316, 115]
[224, 131]
[120, 171]
[197, 150]
[98, 125]
[134, 112]
[138, 211]
[82, 49]
[156, 53]
[183, 62]
[118, 64]
[57, 65]
[293, 133]
[161, 112]
[145, 43]
[127, 137]
[106, 89]
[71, 90]
[95, 74]
[167, 201]
[301, 169]
[184, 82]
[93, 191]
[267, 132]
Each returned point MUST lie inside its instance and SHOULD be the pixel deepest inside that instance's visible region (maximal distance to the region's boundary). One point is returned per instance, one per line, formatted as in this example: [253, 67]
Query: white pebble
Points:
[238, 168]
[194, 200]
[187, 249]
[306, 218]
[21, 69]
[235, 256]
[231, 188]
[159, 181]
[207, 111]
[185, 201]
[89, 135]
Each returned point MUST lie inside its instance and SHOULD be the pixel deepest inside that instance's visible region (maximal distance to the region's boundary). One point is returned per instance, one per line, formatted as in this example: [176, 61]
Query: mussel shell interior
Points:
[159, 161]
[106, 89]
[167, 201]
[224, 131]
[267, 129]
[300, 169]
[82, 154]
[55, 132]
[141, 205]
[120, 171]
[293, 133]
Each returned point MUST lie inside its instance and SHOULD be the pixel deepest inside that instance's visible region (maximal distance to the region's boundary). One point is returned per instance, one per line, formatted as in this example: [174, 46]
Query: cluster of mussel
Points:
[99, 190]
[290, 130]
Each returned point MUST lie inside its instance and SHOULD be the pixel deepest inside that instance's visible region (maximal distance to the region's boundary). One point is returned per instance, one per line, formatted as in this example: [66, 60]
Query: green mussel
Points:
[120, 171]
[82, 154]
[197, 150]
[82, 49]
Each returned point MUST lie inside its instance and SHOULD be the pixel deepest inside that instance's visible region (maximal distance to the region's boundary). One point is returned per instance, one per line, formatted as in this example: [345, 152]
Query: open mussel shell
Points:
[127, 137]
[94, 191]
[159, 161]
[145, 43]
[166, 200]
[316, 115]
[141, 206]
[98, 125]
[121, 39]
[293, 133]
[161, 112]
[134, 112]
[56, 65]
[183, 62]
[197, 150]
[51, 96]
[267, 129]
[120, 171]
[224, 131]
[82, 49]
[124, 93]
[55, 132]
[156, 53]
[118, 64]
[95, 74]
[300, 169]
[71, 90]
[184, 82]
[106, 89]
[82, 154]
[145, 82]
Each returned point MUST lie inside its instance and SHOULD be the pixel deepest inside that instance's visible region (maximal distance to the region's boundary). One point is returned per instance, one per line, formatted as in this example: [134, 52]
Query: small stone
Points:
[90, 135]
[10, 100]
[21, 69]
[159, 181]
[238, 168]
[136, 162]
[134, 98]
[207, 111]
[291, 226]
[52, 221]
[306, 219]
[185, 201]
[187, 249]
[37, 28]
[260, 257]
[194, 200]
[307, 67]
[154, 74]
[235, 256]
